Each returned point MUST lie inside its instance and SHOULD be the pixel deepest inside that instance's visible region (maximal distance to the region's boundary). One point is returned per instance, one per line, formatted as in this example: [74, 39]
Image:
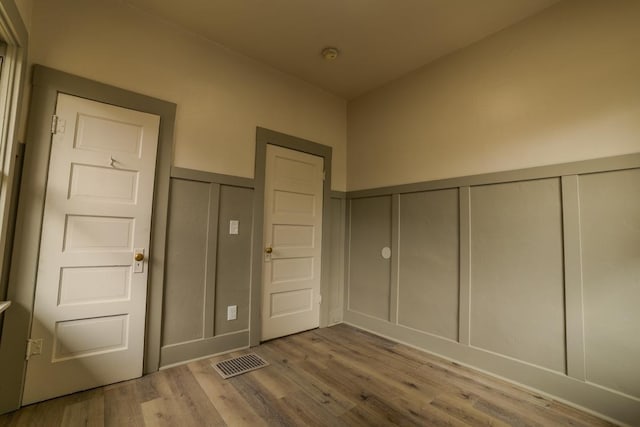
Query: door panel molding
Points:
[46, 84]
[264, 137]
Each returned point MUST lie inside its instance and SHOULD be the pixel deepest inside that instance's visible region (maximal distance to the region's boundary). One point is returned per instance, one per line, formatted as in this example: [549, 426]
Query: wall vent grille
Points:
[239, 365]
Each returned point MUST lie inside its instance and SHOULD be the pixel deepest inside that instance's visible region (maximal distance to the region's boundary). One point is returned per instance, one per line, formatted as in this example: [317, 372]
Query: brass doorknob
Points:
[268, 250]
[138, 256]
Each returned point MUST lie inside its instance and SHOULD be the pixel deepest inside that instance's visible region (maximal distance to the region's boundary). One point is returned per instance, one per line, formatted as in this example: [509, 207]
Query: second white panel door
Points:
[292, 241]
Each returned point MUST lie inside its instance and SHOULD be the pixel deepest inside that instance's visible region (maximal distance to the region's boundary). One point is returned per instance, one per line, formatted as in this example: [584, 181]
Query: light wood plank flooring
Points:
[338, 376]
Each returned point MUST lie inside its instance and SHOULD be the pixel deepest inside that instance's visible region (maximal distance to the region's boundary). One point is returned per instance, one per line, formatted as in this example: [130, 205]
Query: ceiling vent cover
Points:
[239, 365]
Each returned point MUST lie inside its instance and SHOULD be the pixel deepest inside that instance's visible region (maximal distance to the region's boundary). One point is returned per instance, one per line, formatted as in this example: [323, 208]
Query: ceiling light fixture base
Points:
[330, 53]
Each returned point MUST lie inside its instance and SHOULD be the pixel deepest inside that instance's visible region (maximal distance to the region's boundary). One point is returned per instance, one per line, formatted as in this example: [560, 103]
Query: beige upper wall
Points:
[221, 96]
[25, 7]
[558, 87]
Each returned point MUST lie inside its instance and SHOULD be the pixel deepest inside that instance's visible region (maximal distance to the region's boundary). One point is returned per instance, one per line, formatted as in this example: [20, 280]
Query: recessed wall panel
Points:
[99, 184]
[233, 269]
[101, 134]
[84, 233]
[610, 237]
[87, 285]
[428, 287]
[369, 272]
[337, 260]
[517, 288]
[185, 281]
[78, 338]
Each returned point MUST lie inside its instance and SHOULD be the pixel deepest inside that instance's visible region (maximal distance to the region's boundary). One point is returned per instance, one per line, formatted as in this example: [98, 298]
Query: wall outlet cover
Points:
[234, 226]
[232, 312]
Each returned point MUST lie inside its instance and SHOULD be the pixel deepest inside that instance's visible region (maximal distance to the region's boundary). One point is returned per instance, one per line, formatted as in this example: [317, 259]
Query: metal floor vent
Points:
[239, 365]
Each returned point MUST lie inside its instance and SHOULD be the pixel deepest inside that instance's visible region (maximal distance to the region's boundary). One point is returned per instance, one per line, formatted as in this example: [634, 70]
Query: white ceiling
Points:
[379, 40]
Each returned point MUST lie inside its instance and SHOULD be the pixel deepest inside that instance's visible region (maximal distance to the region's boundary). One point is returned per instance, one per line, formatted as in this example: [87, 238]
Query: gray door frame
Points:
[264, 137]
[46, 84]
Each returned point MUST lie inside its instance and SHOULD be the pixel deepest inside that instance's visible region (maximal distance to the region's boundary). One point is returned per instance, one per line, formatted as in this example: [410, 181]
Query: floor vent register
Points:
[239, 365]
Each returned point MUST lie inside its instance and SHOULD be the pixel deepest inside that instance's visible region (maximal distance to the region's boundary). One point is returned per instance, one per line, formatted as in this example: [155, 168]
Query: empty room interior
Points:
[417, 212]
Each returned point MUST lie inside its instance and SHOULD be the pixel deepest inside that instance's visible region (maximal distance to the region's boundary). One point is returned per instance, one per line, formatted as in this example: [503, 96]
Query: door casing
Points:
[264, 137]
[46, 84]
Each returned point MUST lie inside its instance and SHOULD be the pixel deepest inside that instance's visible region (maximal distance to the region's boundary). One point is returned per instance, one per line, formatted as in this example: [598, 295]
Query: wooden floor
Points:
[338, 376]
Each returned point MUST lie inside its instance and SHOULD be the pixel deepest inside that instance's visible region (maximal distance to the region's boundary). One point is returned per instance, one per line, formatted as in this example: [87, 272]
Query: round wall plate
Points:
[386, 252]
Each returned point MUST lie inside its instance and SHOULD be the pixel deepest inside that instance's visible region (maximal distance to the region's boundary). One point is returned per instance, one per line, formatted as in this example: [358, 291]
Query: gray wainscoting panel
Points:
[548, 267]
[428, 277]
[369, 273]
[610, 231]
[234, 259]
[207, 268]
[517, 283]
[183, 314]
[336, 262]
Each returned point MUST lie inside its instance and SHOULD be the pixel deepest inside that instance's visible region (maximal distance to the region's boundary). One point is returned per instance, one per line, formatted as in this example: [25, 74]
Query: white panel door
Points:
[89, 312]
[293, 242]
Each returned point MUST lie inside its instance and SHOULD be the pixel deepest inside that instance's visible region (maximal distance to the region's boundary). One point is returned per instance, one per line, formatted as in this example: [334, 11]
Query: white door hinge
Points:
[58, 125]
[324, 175]
[34, 347]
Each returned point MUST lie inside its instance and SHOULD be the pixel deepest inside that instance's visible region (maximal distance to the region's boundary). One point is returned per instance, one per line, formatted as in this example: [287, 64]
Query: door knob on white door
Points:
[268, 250]
[138, 260]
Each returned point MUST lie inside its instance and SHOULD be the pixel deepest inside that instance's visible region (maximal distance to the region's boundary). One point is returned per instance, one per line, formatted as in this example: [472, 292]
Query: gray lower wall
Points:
[369, 273]
[517, 295]
[610, 236]
[428, 269]
[533, 275]
[336, 276]
[209, 269]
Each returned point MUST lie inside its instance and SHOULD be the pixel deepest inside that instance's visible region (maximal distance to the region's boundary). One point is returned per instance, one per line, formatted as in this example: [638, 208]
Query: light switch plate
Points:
[233, 226]
[232, 312]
